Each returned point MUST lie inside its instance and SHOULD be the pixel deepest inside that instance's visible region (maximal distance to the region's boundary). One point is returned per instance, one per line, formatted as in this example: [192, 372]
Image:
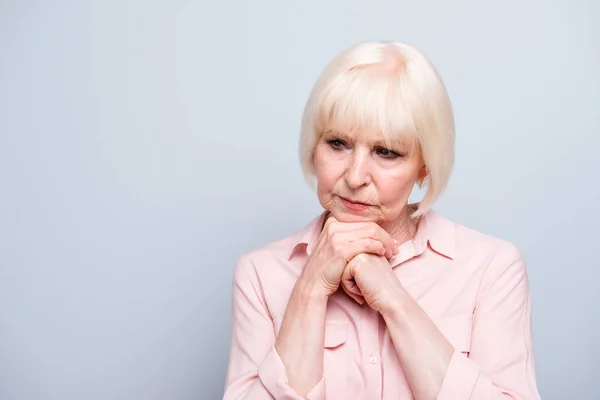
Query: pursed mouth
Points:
[354, 201]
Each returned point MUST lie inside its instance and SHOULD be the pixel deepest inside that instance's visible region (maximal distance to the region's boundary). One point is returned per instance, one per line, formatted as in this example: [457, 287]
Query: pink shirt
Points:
[473, 286]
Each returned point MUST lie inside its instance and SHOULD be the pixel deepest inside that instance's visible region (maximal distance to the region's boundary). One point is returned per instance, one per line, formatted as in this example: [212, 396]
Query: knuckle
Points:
[335, 241]
[338, 251]
[331, 230]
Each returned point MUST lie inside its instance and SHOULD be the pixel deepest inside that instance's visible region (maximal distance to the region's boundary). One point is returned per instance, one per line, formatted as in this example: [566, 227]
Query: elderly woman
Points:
[378, 298]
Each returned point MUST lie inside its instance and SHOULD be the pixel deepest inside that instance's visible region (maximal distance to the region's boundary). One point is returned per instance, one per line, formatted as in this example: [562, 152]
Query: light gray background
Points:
[145, 145]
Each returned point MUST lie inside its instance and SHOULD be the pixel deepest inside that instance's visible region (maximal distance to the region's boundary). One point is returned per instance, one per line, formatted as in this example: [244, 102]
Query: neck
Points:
[404, 228]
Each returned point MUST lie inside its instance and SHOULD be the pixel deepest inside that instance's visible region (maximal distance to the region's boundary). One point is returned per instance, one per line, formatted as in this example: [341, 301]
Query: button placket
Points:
[371, 352]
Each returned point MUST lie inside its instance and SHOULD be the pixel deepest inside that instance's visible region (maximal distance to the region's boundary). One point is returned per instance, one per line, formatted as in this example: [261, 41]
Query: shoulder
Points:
[265, 254]
[470, 244]
[267, 274]
[267, 258]
[504, 273]
[495, 264]
[469, 240]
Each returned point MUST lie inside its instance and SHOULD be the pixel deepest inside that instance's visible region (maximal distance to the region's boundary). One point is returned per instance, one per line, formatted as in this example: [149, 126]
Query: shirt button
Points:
[372, 359]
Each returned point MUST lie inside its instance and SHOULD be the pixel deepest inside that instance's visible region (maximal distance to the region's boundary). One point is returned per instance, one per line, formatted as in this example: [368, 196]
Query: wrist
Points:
[398, 310]
[311, 287]
[309, 291]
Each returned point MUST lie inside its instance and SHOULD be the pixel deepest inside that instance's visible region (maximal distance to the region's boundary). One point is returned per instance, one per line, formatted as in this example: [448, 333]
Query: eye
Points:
[336, 144]
[387, 153]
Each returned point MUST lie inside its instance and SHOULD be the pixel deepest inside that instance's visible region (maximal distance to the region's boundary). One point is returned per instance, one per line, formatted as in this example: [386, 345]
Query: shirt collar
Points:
[432, 230]
[305, 239]
[437, 232]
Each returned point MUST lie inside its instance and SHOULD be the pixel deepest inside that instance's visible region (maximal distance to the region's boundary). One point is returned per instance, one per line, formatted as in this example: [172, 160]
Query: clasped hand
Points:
[354, 255]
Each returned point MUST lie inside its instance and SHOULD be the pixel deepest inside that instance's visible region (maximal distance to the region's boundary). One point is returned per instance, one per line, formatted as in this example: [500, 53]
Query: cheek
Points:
[328, 170]
[325, 185]
[395, 186]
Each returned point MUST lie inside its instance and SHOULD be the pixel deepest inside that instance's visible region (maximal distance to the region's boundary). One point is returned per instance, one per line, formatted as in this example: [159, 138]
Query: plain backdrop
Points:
[145, 145]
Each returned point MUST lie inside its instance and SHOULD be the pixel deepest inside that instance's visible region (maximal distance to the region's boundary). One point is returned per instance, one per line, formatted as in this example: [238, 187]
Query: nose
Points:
[358, 170]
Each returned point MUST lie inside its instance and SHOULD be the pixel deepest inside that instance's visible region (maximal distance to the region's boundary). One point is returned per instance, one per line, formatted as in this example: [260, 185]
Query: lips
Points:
[360, 203]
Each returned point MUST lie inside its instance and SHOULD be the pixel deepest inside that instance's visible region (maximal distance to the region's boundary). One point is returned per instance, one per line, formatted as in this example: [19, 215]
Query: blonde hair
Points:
[391, 87]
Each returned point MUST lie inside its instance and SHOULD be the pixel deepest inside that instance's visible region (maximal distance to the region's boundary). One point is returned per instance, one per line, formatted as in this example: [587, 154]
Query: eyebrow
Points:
[378, 143]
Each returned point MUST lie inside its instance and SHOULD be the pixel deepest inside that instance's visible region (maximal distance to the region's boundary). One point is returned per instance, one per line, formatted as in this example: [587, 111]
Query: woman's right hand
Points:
[338, 243]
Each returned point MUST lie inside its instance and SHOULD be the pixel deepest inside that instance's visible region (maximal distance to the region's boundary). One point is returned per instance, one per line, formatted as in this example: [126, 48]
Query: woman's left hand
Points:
[369, 277]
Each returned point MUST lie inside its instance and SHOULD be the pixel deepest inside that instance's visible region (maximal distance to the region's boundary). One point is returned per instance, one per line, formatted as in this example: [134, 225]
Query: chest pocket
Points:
[339, 375]
[335, 334]
[457, 329]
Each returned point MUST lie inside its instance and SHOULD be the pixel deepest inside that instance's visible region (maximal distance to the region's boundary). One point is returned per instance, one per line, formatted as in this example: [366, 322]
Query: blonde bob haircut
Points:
[391, 88]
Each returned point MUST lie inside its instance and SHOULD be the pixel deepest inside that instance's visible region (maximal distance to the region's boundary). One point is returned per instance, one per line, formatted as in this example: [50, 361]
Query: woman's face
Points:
[360, 179]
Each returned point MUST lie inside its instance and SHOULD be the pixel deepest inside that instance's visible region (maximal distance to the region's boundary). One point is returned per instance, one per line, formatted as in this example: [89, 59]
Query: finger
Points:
[329, 219]
[377, 232]
[352, 290]
[358, 298]
[351, 231]
[367, 229]
[372, 231]
[366, 245]
[332, 225]
[348, 281]
[349, 285]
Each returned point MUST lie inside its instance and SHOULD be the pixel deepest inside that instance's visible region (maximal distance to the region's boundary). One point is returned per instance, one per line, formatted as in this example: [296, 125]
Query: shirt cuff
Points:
[460, 378]
[273, 375]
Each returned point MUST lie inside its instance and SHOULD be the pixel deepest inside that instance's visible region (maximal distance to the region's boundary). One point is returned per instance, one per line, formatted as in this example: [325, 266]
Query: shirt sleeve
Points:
[255, 370]
[500, 363]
